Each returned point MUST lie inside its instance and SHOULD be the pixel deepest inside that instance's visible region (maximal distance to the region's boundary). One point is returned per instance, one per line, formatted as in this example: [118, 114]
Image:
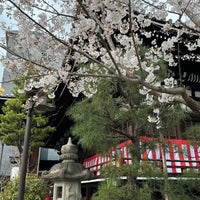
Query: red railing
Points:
[180, 155]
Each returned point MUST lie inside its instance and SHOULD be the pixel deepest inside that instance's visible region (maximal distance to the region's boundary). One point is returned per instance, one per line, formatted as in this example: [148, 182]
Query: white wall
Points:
[6, 154]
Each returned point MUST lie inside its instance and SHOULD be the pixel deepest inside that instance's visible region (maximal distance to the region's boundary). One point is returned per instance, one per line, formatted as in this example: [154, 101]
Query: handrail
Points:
[154, 160]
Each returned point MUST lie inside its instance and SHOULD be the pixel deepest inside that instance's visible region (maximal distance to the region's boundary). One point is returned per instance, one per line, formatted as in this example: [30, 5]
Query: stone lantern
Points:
[67, 175]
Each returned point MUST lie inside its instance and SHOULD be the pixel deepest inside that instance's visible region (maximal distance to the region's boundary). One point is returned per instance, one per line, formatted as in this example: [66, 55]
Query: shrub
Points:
[35, 189]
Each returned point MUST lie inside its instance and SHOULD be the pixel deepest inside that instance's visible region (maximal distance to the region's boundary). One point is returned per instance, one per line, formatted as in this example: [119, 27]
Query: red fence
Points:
[180, 155]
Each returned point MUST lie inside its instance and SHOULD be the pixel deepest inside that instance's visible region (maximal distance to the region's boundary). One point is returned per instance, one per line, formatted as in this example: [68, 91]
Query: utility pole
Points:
[24, 161]
[36, 100]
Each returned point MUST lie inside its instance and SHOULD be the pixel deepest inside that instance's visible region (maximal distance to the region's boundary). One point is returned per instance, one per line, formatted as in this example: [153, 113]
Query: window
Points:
[59, 192]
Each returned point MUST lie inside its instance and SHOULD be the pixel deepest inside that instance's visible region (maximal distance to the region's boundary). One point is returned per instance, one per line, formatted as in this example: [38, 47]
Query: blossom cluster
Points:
[79, 42]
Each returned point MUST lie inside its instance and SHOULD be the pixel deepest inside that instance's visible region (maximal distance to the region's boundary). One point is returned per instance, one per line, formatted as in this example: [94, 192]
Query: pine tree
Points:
[13, 122]
[117, 113]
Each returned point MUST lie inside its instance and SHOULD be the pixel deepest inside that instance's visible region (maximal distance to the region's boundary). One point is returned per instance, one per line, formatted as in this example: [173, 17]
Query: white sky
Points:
[9, 22]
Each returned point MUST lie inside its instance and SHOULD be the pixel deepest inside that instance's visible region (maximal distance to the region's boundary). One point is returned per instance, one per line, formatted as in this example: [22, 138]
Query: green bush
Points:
[35, 189]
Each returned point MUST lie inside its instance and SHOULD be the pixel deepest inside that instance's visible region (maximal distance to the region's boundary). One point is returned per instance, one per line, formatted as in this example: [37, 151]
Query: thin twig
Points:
[133, 38]
[111, 45]
[23, 58]
[58, 39]
[56, 13]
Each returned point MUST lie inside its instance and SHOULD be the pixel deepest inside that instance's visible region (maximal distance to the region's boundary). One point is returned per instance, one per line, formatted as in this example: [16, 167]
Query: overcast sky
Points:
[10, 23]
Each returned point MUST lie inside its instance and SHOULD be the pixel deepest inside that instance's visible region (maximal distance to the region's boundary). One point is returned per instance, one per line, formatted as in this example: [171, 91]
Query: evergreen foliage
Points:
[114, 114]
[13, 122]
[105, 117]
[185, 187]
[193, 134]
[114, 188]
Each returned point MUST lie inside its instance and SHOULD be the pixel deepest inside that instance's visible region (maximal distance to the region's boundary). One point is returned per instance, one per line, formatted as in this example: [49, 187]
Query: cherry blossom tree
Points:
[79, 42]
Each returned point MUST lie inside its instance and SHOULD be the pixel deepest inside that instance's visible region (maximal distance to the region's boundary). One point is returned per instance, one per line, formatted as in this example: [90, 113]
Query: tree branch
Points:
[23, 58]
[128, 136]
[133, 39]
[55, 12]
[60, 40]
[111, 45]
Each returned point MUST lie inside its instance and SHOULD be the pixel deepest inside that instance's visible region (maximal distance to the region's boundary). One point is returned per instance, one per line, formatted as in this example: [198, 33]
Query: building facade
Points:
[9, 158]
